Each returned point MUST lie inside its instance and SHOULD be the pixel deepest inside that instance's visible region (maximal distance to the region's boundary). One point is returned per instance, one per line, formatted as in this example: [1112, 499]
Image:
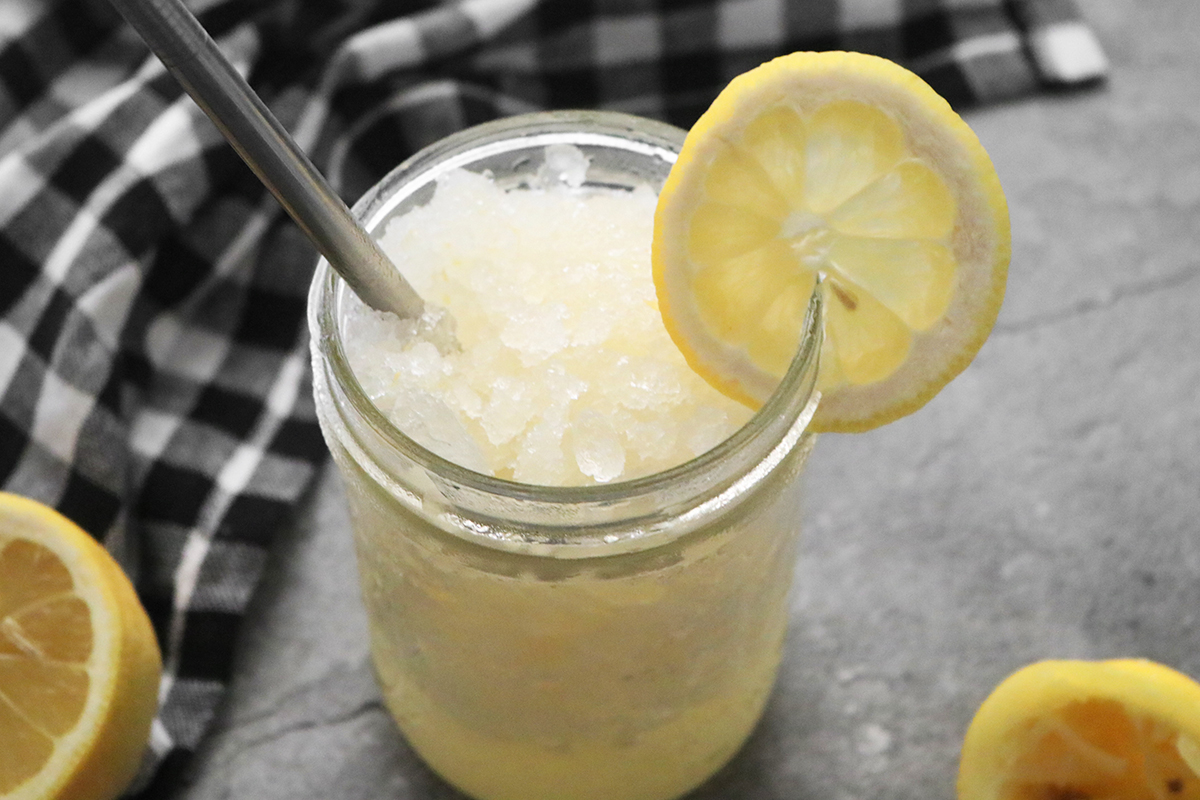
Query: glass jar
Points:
[611, 642]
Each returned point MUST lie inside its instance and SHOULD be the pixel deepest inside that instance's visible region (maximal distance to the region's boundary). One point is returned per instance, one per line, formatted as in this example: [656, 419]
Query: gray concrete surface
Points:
[1047, 504]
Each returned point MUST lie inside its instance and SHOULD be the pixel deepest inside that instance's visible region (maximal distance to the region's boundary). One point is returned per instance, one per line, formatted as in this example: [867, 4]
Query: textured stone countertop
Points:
[1046, 504]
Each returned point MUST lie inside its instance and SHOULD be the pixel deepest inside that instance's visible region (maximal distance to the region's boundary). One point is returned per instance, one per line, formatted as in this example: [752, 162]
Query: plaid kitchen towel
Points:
[153, 363]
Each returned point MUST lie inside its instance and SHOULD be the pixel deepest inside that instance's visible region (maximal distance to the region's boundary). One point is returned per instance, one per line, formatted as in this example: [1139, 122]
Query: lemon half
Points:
[1127, 729]
[848, 166]
[79, 664]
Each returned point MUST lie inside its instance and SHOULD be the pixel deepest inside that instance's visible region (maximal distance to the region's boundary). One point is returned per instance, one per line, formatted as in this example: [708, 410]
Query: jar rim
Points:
[788, 410]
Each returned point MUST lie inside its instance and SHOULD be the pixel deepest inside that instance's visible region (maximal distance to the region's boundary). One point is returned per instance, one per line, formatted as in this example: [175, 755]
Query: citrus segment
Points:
[79, 664]
[913, 280]
[1080, 730]
[776, 142]
[909, 202]
[736, 181]
[850, 145]
[870, 342]
[723, 232]
[848, 166]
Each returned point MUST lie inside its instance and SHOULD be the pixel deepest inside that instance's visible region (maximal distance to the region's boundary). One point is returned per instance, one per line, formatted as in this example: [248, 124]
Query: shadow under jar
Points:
[609, 642]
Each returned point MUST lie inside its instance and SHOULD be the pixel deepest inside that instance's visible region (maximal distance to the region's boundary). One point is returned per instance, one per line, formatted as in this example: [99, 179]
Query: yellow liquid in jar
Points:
[518, 677]
[517, 681]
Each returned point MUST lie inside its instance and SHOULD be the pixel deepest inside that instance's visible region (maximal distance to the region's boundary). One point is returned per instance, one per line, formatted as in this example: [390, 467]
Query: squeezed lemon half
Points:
[79, 664]
[1085, 730]
[850, 167]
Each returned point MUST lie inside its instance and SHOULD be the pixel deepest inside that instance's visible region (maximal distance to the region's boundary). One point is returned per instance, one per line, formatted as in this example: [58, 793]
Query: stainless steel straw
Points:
[190, 54]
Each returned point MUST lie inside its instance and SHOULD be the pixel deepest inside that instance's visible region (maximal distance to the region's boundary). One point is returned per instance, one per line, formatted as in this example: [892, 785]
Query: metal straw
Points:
[190, 54]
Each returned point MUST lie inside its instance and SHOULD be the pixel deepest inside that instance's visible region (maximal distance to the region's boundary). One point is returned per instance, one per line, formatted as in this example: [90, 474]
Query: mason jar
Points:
[607, 642]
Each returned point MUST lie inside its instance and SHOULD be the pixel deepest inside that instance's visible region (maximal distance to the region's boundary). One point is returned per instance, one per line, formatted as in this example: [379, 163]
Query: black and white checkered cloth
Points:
[153, 362]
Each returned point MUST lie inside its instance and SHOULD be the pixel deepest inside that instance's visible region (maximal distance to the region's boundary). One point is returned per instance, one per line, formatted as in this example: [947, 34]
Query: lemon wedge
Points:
[1085, 730]
[79, 664]
[850, 167]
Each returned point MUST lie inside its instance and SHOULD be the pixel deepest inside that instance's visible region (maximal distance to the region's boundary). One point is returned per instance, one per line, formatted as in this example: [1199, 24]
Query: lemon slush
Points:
[575, 555]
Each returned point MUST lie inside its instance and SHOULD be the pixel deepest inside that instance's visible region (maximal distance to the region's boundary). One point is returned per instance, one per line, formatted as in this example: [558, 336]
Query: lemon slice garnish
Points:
[851, 167]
